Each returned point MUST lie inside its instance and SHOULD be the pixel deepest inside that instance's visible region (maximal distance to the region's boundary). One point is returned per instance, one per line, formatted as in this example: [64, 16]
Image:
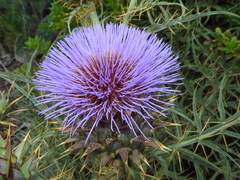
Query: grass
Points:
[205, 142]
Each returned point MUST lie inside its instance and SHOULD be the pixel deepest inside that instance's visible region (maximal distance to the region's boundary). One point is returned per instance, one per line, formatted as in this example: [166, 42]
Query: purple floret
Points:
[100, 71]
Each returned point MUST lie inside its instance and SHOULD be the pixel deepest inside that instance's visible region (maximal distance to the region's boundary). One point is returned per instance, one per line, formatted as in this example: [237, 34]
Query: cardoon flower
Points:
[112, 73]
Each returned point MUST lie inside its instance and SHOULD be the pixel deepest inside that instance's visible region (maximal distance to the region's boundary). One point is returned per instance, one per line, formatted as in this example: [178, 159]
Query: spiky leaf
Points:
[123, 152]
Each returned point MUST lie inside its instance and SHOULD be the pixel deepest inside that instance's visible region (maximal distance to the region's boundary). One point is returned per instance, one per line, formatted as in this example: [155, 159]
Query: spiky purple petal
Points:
[99, 71]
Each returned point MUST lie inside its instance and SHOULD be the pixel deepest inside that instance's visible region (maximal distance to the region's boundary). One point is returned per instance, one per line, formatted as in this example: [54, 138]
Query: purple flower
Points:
[99, 71]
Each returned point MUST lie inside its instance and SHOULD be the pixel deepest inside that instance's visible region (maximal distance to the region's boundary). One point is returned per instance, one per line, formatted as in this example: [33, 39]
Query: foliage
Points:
[12, 164]
[203, 144]
[20, 18]
[227, 43]
[7, 111]
[38, 43]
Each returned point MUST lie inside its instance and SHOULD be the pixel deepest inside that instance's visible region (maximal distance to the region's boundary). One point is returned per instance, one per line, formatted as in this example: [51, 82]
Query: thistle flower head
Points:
[106, 72]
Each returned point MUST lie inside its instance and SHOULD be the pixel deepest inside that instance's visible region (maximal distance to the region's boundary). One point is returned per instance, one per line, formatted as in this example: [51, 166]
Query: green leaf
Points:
[176, 111]
[213, 146]
[29, 64]
[197, 116]
[233, 43]
[195, 158]
[105, 158]
[235, 119]
[183, 19]
[2, 141]
[130, 10]
[232, 134]
[26, 166]
[221, 98]
[219, 33]
[199, 172]
[227, 168]
[37, 44]
[18, 151]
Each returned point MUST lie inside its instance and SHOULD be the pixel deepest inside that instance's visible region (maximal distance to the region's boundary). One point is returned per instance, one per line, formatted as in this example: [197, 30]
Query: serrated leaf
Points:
[72, 139]
[117, 164]
[91, 147]
[157, 125]
[89, 158]
[19, 149]
[79, 145]
[138, 139]
[135, 156]
[144, 160]
[156, 144]
[76, 146]
[123, 152]
[105, 159]
[26, 166]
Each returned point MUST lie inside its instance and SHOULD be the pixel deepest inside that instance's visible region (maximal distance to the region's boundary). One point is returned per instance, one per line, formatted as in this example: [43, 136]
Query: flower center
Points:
[103, 78]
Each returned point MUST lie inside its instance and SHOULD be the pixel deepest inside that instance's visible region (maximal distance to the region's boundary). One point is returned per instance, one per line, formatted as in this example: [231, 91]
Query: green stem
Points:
[93, 15]
[129, 12]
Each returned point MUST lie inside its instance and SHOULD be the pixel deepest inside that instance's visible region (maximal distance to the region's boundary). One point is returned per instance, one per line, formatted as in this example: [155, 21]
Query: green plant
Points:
[38, 43]
[18, 21]
[12, 165]
[226, 43]
[204, 145]
[6, 108]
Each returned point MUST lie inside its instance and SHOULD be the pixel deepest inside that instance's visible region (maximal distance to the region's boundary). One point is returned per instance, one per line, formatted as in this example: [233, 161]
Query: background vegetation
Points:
[204, 144]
